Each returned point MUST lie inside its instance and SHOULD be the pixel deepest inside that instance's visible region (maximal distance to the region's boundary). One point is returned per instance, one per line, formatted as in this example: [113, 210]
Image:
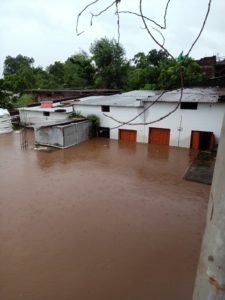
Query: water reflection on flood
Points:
[100, 220]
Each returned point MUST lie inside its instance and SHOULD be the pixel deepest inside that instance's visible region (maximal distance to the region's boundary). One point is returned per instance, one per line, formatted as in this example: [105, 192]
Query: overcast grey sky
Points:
[45, 29]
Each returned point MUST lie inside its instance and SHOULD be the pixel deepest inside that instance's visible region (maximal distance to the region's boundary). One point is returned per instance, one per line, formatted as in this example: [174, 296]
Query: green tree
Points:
[13, 64]
[170, 73]
[85, 68]
[5, 99]
[110, 62]
[56, 73]
[140, 60]
[25, 100]
[18, 73]
[79, 71]
[155, 57]
[41, 78]
[145, 70]
[138, 78]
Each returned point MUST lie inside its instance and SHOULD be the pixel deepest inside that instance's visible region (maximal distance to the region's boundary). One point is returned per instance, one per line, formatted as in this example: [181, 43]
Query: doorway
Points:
[104, 132]
[202, 140]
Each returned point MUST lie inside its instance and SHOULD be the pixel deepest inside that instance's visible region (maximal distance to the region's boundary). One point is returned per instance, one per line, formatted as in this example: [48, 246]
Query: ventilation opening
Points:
[105, 108]
[188, 105]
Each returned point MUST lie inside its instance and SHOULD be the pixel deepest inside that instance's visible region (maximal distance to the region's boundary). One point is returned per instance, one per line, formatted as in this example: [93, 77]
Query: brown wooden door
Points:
[195, 140]
[159, 136]
[127, 135]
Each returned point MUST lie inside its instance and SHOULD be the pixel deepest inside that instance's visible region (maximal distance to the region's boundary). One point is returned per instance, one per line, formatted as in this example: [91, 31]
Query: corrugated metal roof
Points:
[128, 99]
[200, 95]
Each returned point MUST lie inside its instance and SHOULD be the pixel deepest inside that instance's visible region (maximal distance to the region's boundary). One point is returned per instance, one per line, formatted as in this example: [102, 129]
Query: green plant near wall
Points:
[25, 100]
[95, 123]
[94, 119]
[76, 114]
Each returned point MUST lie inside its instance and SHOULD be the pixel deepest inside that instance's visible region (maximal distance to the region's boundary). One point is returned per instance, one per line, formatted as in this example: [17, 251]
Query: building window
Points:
[46, 113]
[188, 105]
[105, 108]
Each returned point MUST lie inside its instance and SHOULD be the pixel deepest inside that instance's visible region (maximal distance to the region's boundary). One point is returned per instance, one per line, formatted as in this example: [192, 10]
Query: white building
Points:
[38, 115]
[196, 123]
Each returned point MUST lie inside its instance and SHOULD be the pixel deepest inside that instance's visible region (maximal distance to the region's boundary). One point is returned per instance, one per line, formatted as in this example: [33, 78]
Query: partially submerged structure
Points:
[62, 135]
[45, 114]
[196, 123]
[5, 121]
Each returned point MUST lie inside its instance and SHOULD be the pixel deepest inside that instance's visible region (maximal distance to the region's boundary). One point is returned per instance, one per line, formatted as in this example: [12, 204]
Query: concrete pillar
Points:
[210, 280]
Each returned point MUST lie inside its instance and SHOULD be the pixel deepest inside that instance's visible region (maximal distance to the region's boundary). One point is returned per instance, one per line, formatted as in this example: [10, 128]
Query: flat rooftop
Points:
[199, 95]
[128, 99]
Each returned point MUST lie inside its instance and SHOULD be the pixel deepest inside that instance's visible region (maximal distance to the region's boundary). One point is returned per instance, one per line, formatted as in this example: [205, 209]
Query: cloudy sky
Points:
[46, 29]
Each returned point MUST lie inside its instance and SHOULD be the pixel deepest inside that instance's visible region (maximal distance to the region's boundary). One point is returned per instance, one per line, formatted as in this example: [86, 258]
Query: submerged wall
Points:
[64, 135]
[207, 117]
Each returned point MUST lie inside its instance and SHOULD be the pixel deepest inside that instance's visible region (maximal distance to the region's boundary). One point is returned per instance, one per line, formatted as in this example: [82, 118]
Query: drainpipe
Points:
[210, 280]
[179, 131]
[144, 125]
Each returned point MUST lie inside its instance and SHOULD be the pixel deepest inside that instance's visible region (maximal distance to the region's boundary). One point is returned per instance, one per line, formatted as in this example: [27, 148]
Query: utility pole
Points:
[210, 280]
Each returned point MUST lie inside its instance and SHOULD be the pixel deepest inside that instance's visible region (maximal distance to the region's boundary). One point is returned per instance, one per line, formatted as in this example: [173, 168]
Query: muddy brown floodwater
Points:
[102, 220]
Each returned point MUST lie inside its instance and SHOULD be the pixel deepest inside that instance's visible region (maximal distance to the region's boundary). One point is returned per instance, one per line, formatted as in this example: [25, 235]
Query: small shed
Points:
[5, 121]
[63, 135]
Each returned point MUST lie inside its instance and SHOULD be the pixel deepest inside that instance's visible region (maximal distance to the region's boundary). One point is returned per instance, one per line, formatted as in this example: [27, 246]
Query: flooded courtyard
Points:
[102, 220]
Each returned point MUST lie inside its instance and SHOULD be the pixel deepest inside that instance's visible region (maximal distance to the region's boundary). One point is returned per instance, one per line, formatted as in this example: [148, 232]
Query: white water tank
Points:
[5, 121]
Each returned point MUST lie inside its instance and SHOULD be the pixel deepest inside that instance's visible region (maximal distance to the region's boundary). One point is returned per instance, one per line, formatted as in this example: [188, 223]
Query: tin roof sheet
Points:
[128, 99]
[200, 95]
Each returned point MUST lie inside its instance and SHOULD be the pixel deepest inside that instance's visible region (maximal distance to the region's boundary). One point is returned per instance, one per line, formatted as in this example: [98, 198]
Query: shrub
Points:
[94, 119]
[25, 100]
[76, 114]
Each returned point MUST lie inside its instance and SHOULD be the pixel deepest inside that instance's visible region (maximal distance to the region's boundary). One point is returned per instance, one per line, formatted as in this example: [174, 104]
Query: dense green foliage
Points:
[18, 73]
[24, 100]
[110, 62]
[94, 119]
[75, 115]
[170, 71]
[105, 67]
[95, 122]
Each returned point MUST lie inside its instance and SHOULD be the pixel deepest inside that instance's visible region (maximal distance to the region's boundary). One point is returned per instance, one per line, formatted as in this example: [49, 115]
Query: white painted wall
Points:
[37, 117]
[121, 113]
[207, 117]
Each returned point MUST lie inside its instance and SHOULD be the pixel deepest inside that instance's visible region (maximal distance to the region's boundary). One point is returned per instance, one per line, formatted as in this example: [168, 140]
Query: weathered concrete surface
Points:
[210, 282]
[201, 169]
[100, 220]
[63, 135]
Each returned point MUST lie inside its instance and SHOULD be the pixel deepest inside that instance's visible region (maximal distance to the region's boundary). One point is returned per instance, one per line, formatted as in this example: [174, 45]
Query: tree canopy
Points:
[105, 67]
[18, 74]
[170, 71]
[111, 64]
